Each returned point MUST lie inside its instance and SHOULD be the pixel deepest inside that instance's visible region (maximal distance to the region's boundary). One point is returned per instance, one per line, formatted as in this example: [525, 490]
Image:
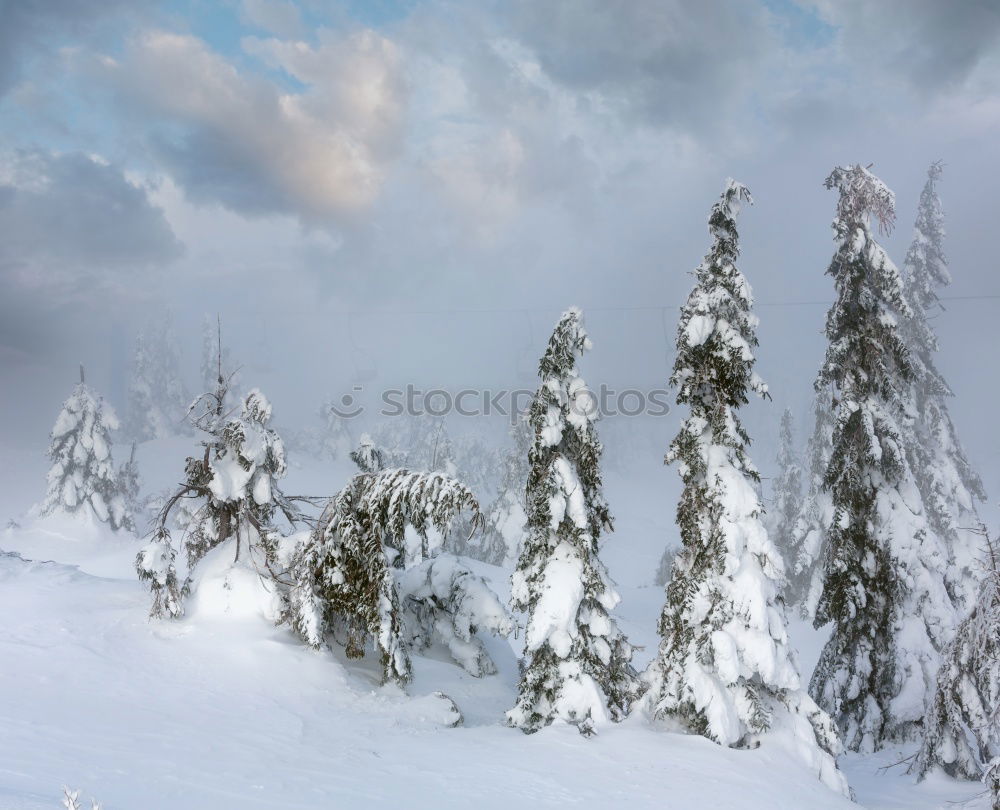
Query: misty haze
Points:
[488, 404]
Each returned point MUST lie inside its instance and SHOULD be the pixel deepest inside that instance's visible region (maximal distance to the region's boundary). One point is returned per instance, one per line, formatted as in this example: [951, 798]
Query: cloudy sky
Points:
[404, 190]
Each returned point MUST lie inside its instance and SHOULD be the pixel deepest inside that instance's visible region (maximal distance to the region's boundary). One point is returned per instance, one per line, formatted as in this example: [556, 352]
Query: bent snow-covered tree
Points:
[230, 494]
[884, 570]
[725, 668]
[83, 474]
[962, 727]
[578, 662]
[343, 578]
[949, 487]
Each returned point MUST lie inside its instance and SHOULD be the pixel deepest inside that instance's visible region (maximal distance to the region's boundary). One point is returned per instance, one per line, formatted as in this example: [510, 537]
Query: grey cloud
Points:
[930, 44]
[34, 27]
[70, 212]
[76, 242]
[668, 62]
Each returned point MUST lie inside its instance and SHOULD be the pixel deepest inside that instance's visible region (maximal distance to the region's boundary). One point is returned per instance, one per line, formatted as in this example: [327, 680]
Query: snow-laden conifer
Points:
[948, 485]
[961, 732]
[231, 494]
[343, 579]
[578, 662]
[725, 668]
[809, 532]
[883, 570]
[83, 474]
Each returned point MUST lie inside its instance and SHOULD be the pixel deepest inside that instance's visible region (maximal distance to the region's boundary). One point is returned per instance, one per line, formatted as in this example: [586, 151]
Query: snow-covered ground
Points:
[219, 712]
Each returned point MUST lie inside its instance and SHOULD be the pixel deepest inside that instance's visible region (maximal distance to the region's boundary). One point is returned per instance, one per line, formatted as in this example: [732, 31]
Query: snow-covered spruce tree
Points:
[948, 485]
[805, 553]
[578, 662]
[725, 668]
[786, 490]
[884, 570]
[343, 579]
[962, 727]
[235, 493]
[83, 474]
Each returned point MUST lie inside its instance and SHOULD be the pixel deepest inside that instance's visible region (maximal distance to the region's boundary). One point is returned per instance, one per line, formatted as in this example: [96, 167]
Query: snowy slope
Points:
[224, 713]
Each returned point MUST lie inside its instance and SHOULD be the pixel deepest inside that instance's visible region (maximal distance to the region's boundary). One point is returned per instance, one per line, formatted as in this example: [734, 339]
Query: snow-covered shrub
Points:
[231, 495]
[962, 727]
[578, 662]
[343, 577]
[725, 667]
[443, 601]
[83, 474]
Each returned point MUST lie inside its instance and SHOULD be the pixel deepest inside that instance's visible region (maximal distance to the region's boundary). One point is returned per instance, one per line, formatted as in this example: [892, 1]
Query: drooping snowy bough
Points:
[83, 474]
[344, 577]
[962, 727]
[725, 668]
[578, 662]
[884, 569]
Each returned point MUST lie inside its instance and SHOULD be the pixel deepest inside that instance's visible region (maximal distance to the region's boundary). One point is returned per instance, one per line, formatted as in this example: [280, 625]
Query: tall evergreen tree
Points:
[725, 667]
[805, 553]
[948, 485]
[578, 663]
[884, 570]
[83, 474]
[786, 489]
